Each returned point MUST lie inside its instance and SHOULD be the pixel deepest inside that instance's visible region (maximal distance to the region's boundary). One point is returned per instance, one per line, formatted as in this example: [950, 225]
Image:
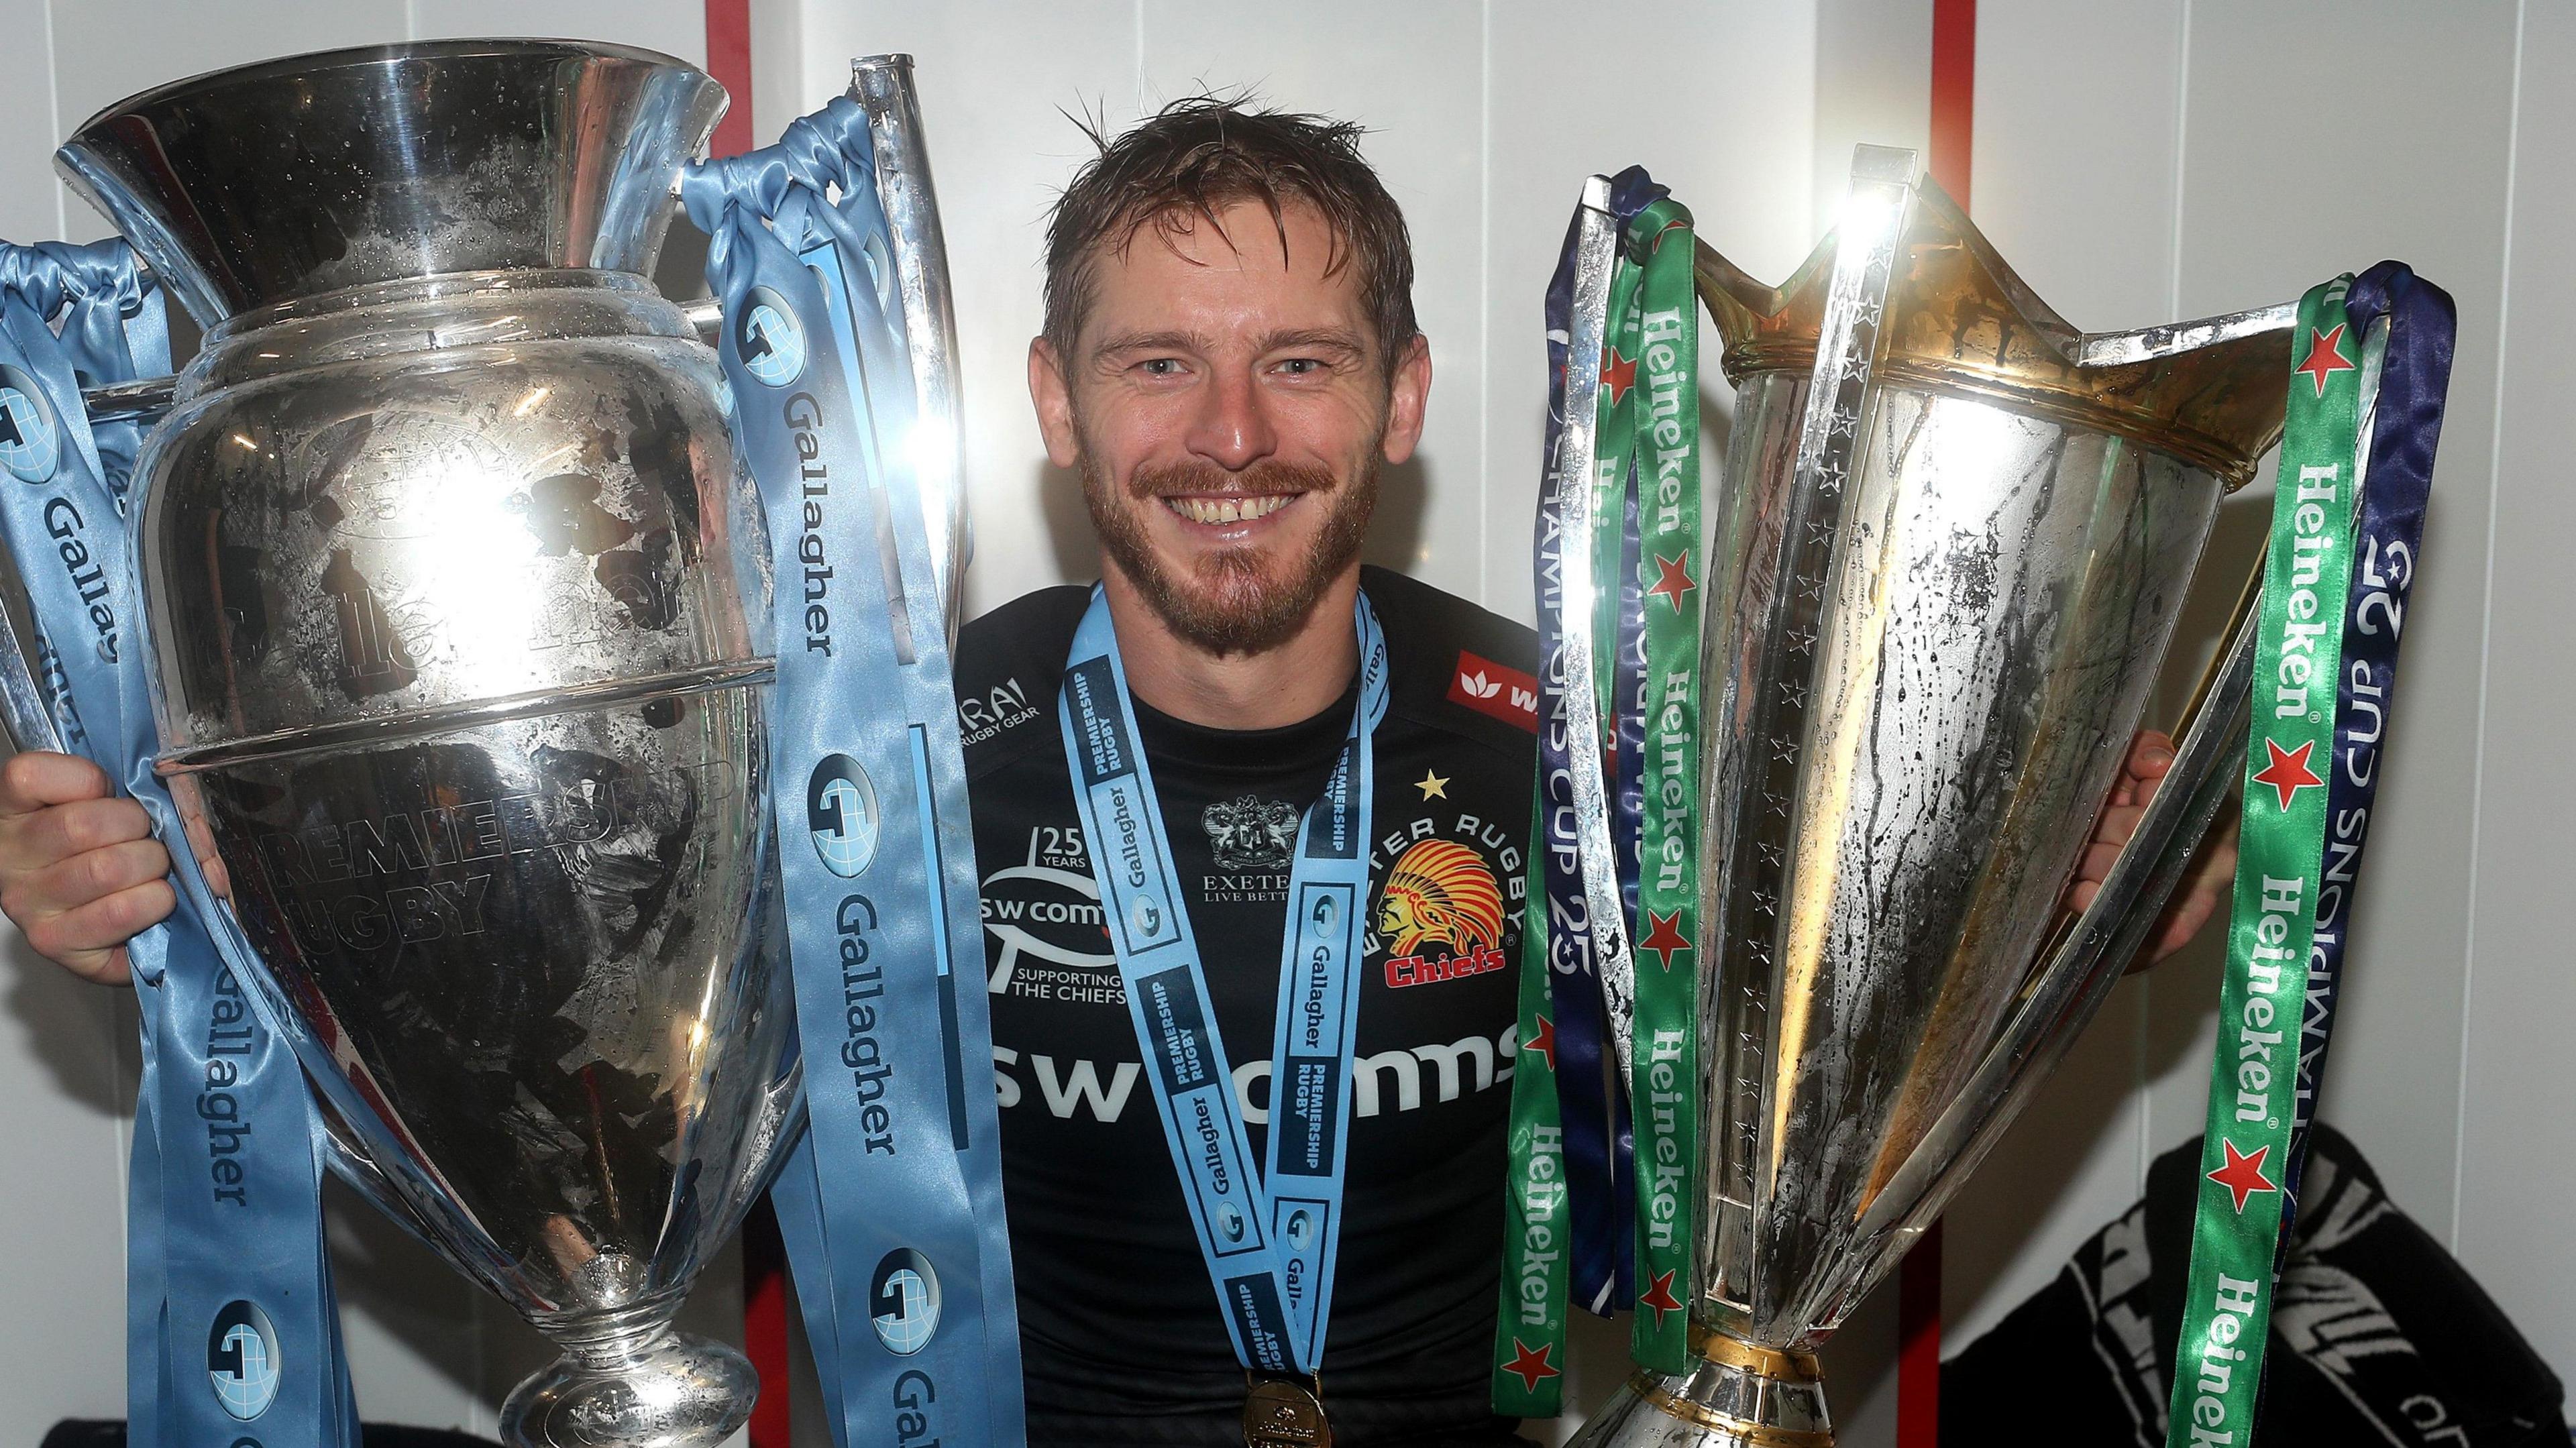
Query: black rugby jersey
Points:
[1121, 1337]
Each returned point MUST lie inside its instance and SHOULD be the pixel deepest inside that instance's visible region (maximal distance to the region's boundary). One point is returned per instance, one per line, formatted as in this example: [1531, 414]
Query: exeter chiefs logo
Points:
[1440, 890]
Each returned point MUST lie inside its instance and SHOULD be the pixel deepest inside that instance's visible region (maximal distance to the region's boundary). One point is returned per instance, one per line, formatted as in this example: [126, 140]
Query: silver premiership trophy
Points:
[1952, 541]
[456, 610]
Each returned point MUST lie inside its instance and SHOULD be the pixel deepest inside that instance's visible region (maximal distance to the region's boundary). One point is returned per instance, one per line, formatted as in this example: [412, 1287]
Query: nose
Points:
[1232, 428]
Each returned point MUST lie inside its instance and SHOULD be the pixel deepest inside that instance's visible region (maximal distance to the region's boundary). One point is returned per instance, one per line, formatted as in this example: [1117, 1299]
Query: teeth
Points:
[1228, 510]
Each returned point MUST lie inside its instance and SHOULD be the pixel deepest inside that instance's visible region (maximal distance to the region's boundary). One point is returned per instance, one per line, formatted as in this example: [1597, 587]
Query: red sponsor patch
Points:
[1497, 689]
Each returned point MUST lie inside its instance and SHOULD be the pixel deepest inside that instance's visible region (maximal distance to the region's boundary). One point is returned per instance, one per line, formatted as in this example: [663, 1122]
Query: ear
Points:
[1408, 393]
[1053, 398]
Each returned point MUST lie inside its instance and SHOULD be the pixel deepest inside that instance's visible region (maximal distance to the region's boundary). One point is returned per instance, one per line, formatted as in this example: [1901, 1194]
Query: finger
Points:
[90, 876]
[90, 940]
[2080, 898]
[2150, 755]
[61, 832]
[210, 861]
[35, 778]
[2116, 825]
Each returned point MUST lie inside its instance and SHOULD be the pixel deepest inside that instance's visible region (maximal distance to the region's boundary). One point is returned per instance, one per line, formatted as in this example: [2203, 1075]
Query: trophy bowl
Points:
[455, 613]
[1953, 540]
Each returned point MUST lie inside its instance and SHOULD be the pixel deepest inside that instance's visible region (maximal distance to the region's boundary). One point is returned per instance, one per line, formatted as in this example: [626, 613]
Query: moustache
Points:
[1205, 479]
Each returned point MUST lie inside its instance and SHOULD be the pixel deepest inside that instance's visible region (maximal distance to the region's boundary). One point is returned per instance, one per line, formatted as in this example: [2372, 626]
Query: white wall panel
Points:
[2517, 1166]
[2417, 171]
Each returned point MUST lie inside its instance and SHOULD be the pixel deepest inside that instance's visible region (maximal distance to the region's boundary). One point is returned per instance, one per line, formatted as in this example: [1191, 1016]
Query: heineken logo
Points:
[2288, 771]
[2243, 1173]
[1664, 937]
[1672, 580]
[1531, 1364]
[2325, 357]
[1618, 374]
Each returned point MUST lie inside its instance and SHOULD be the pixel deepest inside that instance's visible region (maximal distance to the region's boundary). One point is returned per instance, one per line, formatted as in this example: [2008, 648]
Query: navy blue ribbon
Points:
[891, 1205]
[232, 1330]
[2406, 427]
[1592, 1103]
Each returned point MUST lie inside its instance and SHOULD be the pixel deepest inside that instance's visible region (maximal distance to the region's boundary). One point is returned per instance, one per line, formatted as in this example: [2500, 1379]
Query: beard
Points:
[1230, 602]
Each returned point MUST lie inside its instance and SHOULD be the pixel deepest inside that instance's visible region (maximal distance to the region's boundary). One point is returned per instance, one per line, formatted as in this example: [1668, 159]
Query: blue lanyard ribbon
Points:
[2414, 378]
[232, 1331]
[890, 1206]
[1270, 1246]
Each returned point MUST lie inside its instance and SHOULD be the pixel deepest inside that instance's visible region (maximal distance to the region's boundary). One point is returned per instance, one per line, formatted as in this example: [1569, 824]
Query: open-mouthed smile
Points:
[1231, 508]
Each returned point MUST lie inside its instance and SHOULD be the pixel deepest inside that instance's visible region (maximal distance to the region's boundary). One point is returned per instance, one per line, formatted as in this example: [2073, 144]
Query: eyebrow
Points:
[1338, 339]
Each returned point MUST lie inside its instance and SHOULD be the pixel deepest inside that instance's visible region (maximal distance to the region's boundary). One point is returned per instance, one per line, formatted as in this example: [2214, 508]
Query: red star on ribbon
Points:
[2325, 357]
[1672, 579]
[2288, 772]
[1531, 1366]
[1658, 1296]
[1544, 1042]
[1664, 937]
[2243, 1175]
[1618, 374]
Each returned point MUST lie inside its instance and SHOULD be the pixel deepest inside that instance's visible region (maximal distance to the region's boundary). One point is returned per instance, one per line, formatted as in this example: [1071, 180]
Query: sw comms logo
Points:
[841, 812]
[768, 338]
[30, 445]
[242, 1359]
[903, 1301]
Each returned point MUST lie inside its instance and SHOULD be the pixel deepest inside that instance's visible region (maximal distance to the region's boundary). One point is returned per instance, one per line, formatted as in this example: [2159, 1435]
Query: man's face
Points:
[1227, 410]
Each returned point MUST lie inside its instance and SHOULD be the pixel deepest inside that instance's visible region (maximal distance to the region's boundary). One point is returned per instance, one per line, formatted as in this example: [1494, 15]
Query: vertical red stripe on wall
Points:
[764, 1256]
[1918, 1284]
[729, 61]
[1954, 93]
[1918, 1344]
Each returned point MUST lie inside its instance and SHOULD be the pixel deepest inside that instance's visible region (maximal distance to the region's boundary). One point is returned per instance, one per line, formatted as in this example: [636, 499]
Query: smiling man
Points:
[1254, 719]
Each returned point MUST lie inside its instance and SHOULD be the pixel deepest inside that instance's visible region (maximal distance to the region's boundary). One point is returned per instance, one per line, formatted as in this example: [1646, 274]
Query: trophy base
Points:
[655, 1389]
[1736, 1396]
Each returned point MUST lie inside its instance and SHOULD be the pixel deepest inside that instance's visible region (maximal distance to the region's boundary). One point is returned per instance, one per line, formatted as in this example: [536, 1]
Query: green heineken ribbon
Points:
[1529, 1337]
[2227, 1310]
[1649, 449]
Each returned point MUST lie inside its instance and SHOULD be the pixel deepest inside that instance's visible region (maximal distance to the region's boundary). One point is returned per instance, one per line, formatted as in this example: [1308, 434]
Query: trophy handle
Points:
[882, 85]
[2087, 956]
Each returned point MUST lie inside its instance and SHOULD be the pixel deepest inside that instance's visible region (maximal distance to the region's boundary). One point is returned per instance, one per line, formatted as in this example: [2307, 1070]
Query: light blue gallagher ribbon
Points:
[232, 1333]
[1269, 1245]
[891, 1207]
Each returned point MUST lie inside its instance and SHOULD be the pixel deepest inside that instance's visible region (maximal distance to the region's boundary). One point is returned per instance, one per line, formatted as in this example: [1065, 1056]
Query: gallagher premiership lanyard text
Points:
[1269, 1244]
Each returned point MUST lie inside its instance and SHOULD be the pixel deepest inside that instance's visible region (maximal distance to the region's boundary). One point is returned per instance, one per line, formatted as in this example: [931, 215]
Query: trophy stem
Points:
[1736, 1395]
[632, 1380]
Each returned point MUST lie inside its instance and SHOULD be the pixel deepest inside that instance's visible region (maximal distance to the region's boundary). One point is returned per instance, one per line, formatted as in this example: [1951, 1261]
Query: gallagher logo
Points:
[241, 1359]
[768, 339]
[30, 447]
[841, 811]
[903, 1301]
[1495, 689]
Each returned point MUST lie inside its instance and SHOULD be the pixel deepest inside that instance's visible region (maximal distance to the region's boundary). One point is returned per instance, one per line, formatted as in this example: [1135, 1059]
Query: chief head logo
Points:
[841, 811]
[903, 1301]
[242, 1360]
[768, 338]
[1440, 890]
[30, 445]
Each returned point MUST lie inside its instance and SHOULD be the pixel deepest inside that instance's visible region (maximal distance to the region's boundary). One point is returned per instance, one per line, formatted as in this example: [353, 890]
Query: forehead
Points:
[1247, 275]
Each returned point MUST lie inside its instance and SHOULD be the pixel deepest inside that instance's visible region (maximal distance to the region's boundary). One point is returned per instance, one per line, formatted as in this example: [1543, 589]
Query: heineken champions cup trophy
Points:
[1951, 543]
[457, 617]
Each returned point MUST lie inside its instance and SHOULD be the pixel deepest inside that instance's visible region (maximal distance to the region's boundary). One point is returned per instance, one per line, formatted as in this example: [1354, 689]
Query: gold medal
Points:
[1285, 1413]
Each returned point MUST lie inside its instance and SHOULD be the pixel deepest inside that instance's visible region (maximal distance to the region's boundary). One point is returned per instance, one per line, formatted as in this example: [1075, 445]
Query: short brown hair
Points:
[1197, 156]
